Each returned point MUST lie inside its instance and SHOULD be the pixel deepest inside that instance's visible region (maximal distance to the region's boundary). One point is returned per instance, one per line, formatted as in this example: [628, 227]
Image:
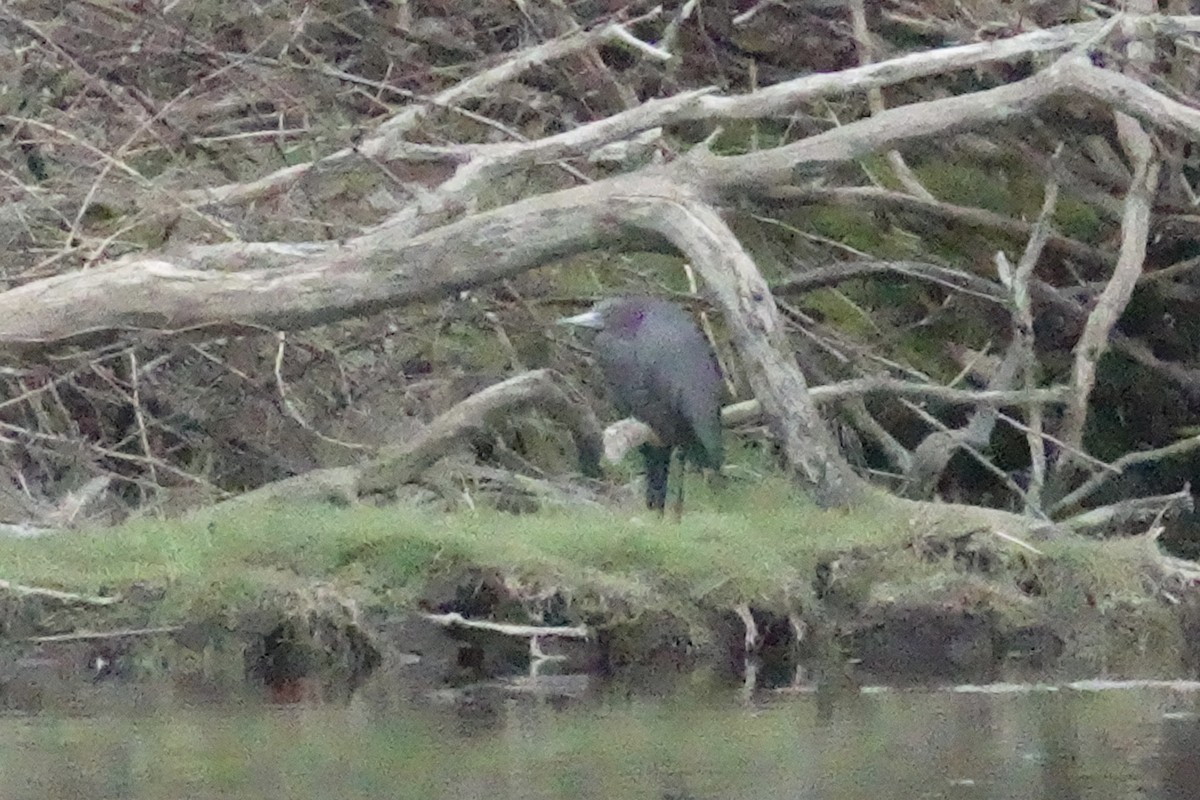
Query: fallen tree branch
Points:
[777, 100]
[388, 142]
[1107, 520]
[932, 456]
[1183, 376]
[864, 422]
[1017, 282]
[455, 620]
[1118, 467]
[833, 274]
[87, 636]
[335, 485]
[749, 411]
[543, 390]
[388, 267]
[565, 494]
[1135, 228]
[69, 598]
[862, 39]
[624, 435]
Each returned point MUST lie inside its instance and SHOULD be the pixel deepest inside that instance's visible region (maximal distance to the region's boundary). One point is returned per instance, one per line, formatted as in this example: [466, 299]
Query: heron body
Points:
[660, 369]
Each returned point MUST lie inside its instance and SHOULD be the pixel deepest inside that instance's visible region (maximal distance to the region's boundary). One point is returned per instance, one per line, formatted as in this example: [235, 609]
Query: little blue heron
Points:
[659, 369]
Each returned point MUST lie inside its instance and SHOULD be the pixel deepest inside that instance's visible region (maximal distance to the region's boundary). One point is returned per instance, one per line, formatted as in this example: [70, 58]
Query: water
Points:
[978, 743]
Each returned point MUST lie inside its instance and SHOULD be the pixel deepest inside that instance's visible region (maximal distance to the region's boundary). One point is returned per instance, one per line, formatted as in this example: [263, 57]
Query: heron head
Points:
[619, 315]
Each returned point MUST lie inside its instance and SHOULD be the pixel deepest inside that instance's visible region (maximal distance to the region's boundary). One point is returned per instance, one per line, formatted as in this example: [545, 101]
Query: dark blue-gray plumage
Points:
[660, 369]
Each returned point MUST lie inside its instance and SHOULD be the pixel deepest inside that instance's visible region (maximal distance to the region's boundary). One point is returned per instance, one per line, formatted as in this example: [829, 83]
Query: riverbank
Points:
[326, 595]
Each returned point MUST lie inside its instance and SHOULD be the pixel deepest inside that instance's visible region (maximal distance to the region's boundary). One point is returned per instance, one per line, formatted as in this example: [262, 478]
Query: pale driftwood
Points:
[623, 436]
[1183, 376]
[404, 463]
[544, 390]
[88, 636]
[946, 440]
[862, 39]
[749, 411]
[69, 598]
[1082, 455]
[1135, 228]
[780, 99]
[388, 141]
[334, 485]
[70, 507]
[1118, 467]
[750, 637]
[1017, 282]
[842, 271]
[777, 100]
[26, 530]
[387, 267]
[863, 421]
[1129, 513]
[1184, 574]
[1008, 537]
[568, 494]
[455, 620]
[933, 454]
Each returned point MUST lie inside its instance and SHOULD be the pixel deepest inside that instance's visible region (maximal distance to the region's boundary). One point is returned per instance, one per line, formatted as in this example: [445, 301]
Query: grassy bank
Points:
[758, 542]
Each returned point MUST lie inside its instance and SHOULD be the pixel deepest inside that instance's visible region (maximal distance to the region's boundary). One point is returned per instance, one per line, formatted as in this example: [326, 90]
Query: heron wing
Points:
[667, 377]
[682, 372]
[624, 373]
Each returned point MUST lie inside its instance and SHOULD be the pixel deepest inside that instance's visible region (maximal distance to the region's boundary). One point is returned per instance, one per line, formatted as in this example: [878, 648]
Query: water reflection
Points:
[1058, 747]
[1179, 755]
[1042, 743]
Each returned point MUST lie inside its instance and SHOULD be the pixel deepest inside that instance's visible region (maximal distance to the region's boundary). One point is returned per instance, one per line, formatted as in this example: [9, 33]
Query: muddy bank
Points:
[971, 608]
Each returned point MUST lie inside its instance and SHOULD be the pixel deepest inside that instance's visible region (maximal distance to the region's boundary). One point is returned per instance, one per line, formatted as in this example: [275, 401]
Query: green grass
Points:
[757, 539]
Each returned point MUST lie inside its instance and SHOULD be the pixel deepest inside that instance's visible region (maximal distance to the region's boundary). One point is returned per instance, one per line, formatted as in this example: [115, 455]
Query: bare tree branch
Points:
[388, 140]
[870, 197]
[749, 411]
[386, 267]
[1121, 517]
[1184, 376]
[933, 454]
[1017, 281]
[66, 598]
[544, 390]
[774, 101]
[1135, 228]
[862, 38]
[1118, 467]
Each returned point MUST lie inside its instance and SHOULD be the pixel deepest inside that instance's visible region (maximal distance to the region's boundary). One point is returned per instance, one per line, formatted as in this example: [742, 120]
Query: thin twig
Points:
[290, 408]
[87, 636]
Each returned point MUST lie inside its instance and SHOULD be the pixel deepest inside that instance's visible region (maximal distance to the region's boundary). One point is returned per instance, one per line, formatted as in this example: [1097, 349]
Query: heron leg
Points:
[677, 508]
[658, 465]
